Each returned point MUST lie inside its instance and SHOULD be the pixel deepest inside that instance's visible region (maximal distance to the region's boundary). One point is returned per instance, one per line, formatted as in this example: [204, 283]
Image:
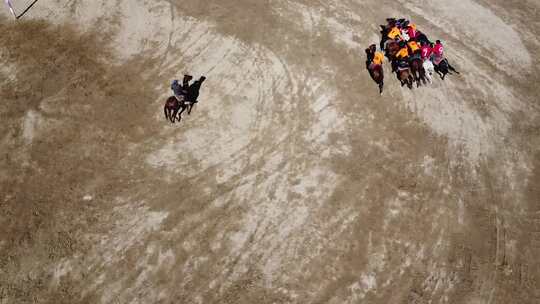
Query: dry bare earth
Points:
[292, 181]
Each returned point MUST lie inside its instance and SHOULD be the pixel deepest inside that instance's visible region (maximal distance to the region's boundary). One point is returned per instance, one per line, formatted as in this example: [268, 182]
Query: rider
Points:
[414, 48]
[403, 53]
[438, 52]
[426, 51]
[180, 91]
[378, 59]
[438, 56]
[404, 34]
[374, 57]
[394, 33]
[402, 57]
[411, 31]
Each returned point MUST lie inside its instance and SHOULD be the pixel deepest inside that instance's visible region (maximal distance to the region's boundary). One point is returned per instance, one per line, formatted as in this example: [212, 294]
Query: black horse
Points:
[193, 93]
[444, 68]
[175, 106]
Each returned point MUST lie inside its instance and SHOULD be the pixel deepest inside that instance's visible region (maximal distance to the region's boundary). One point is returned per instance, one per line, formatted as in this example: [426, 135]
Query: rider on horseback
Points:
[426, 51]
[411, 31]
[438, 57]
[394, 33]
[438, 52]
[374, 57]
[403, 53]
[180, 91]
[414, 48]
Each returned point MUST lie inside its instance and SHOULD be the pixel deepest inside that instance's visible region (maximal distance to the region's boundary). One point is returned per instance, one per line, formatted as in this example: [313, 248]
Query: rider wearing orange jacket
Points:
[403, 53]
[413, 46]
[394, 33]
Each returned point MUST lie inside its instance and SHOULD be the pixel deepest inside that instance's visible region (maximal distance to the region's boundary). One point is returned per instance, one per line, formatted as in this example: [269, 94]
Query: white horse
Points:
[430, 69]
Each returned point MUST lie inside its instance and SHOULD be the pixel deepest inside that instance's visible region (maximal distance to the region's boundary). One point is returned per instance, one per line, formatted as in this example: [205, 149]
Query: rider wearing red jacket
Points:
[411, 31]
[438, 52]
[426, 51]
[438, 49]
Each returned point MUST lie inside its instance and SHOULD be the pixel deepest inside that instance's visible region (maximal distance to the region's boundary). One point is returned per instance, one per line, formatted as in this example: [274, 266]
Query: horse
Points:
[417, 70]
[384, 35]
[443, 67]
[172, 106]
[391, 49]
[377, 74]
[404, 74]
[429, 70]
[193, 93]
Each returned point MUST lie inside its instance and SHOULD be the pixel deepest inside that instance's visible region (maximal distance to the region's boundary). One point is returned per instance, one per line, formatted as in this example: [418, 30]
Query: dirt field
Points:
[292, 181]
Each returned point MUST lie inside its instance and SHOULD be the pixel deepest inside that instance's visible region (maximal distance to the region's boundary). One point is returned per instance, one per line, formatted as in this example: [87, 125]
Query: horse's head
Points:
[197, 84]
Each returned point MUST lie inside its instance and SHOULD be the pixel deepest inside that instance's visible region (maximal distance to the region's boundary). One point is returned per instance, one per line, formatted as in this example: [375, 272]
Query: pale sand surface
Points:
[292, 181]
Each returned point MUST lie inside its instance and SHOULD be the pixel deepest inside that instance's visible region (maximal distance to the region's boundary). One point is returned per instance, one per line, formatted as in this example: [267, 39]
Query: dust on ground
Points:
[292, 181]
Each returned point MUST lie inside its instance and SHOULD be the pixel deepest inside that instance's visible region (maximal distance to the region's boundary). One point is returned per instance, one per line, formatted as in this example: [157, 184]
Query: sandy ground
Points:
[292, 181]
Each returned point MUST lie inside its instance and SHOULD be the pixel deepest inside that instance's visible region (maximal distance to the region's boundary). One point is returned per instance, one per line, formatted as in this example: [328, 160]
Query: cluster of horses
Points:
[176, 105]
[412, 70]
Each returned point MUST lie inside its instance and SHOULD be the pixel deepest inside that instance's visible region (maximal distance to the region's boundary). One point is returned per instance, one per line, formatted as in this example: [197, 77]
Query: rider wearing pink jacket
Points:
[411, 30]
[438, 49]
[438, 56]
[426, 51]
[438, 52]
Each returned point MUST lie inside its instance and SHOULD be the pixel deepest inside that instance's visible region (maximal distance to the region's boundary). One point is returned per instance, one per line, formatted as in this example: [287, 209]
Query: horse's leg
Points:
[429, 74]
[381, 84]
[417, 77]
[165, 111]
[181, 111]
[173, 116]
[169, 113]
[451, 68]
[438, 71]
[189, 108]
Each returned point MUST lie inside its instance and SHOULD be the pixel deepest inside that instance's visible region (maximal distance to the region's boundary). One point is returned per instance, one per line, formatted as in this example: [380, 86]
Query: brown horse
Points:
[405, 77]
[375, 70]
[417, 70]
[377, 74]
[171, 108]
[392, 48]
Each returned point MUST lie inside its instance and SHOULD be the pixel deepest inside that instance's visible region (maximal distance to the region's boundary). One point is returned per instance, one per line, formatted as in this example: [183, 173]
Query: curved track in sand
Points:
[292, 181]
